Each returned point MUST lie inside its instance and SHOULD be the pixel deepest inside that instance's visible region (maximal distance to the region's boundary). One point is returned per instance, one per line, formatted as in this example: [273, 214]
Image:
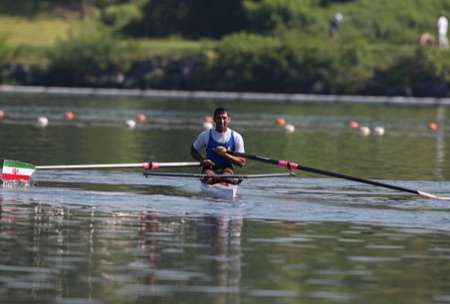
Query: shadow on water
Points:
[136, 189]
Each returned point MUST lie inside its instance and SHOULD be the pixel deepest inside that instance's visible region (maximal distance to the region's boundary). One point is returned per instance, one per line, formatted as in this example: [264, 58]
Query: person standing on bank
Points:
[442, 27]
[217, 141]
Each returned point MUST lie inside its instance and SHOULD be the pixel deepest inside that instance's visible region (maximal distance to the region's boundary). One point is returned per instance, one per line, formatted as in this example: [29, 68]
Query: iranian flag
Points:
[16, 171]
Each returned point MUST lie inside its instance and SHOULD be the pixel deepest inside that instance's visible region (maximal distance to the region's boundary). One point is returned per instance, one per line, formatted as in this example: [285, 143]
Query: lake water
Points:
[114, 236]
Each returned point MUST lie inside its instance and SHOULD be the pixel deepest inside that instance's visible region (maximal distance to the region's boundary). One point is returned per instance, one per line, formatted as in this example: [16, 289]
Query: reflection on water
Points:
[87, 256]
[117, 237]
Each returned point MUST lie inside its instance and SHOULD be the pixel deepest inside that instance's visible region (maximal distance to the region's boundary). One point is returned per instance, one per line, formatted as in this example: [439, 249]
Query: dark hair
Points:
[219, 110]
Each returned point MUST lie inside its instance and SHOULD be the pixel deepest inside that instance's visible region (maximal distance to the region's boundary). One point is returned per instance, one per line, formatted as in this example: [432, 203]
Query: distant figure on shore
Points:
[442, 27]
[427, 40]
[335, 24]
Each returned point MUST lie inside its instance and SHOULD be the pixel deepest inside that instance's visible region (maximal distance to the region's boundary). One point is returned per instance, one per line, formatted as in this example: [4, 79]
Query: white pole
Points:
[145, 165]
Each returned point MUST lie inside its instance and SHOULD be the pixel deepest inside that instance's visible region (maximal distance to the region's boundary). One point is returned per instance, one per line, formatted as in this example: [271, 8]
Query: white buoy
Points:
[130, 123]
[365, 131]
[207, 125]
[289, 128]
[379, 131]
[42, 121]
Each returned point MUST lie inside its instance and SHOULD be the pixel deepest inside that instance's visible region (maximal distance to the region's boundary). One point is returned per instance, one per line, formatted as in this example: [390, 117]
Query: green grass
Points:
[173, 46]
[33, 38]
[37, 32]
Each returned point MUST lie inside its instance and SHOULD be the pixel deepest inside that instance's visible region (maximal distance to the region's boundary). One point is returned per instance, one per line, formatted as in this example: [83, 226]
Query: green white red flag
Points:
[16, 171]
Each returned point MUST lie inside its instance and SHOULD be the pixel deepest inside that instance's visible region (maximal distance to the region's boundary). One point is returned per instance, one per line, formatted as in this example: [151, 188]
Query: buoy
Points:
[69, 116]
[379, 131]
[353, 124]
[280, 121]
[42, 121]
[432, 126]
[130, 123]
[141, 117]
[364, 131]
[289, 128]
[2, 114]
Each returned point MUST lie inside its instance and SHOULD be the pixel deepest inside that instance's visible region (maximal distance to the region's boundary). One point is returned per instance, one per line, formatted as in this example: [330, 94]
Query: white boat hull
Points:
[221, 190]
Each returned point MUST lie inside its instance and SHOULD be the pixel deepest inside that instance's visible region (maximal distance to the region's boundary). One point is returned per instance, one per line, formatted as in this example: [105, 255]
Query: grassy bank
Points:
[33, 38]
[276, 46]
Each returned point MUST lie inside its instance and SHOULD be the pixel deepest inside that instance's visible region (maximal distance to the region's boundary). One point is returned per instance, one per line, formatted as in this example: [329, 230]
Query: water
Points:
[116, 237]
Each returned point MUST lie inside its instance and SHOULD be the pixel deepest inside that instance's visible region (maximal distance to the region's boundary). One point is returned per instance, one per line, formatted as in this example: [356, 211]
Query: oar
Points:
[219, 176]
[21, 171]
[145, 165]
[295, 166]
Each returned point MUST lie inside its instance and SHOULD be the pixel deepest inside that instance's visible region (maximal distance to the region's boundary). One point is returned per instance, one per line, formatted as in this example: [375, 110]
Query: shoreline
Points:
[236, 96]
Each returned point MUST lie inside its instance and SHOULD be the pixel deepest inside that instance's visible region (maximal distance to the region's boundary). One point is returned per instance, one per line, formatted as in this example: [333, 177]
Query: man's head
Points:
[222, 119]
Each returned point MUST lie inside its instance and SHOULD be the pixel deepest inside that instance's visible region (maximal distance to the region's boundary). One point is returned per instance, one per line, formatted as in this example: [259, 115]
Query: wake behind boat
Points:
[223, 189]
[226, 186]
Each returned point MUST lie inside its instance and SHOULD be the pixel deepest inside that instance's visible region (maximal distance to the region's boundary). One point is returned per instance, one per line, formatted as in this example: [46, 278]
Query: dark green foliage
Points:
[85, 56]
[248, 62]
[34, 7]
[329, 2]
[429, 72]
[193, 19]
[266, 16]
[6, 55]
[6, 52]
[262, 45]
[119, 14]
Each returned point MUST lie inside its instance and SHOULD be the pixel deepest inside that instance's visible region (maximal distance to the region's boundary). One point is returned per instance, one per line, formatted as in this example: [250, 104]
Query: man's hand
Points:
[222, 151]
[208, 164]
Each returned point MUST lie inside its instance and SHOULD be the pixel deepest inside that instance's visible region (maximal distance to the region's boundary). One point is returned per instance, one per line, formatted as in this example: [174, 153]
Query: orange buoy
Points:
[141, 117]
[69, 116]
[2, 114]
[432, 126]
[280, 121]
[353, 124]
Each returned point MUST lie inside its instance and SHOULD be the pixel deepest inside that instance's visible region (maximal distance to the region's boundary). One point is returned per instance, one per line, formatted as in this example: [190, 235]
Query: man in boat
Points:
[217, 141]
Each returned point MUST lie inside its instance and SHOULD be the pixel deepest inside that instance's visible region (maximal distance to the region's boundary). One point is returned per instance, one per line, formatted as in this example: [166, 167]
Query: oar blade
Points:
[16, 171]
[432, 196]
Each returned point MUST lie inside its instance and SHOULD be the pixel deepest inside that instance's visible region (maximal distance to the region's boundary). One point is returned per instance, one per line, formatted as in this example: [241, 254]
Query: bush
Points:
[88, 53]
[267, 16]
[248, 62]
[245, 62]
[193, 19]
[430, 72]
[6, 52]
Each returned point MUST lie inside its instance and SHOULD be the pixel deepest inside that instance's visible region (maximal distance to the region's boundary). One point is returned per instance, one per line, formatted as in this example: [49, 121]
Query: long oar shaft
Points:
[145, 165]
[295, 166]
[221, 176]
[90, 166]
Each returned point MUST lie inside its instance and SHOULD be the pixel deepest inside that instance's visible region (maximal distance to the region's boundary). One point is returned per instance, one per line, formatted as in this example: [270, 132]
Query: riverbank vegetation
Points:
[236, 45]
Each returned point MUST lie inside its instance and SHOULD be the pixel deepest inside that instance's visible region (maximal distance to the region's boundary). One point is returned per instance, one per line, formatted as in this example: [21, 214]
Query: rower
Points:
[217, 142]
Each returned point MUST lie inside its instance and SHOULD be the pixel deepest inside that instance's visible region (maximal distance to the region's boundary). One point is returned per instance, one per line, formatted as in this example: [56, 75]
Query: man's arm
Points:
[236, 160]
[206, 163]
[196, 155]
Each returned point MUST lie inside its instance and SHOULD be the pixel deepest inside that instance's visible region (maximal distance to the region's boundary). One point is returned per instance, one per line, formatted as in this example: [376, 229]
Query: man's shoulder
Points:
[204, 133]
[236, 133]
